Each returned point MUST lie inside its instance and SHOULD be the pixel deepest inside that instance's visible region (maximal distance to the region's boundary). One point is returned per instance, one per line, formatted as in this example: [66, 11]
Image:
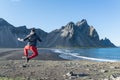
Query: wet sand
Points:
[16, 54]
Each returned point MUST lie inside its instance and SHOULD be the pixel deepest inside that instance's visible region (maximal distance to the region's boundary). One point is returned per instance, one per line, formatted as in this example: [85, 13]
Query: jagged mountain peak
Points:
[105, 39]
[4, 23]
[82, 22]
[83, 28]
[107, 42]
[1, 19]
[76, 35]
[93, 33]
[68, 30]
[70, 35]
[70, 24]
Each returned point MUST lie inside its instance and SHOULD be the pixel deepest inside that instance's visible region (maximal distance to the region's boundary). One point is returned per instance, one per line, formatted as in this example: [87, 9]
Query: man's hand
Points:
[20, 39]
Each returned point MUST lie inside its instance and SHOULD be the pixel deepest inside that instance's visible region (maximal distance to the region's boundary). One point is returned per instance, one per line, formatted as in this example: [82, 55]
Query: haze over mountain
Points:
[70, 35]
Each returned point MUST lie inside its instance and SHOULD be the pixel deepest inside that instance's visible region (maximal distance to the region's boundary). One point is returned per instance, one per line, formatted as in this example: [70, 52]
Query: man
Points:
[31, 45]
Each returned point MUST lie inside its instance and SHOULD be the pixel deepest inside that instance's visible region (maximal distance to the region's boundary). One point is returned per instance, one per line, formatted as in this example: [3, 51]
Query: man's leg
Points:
[35, 52]
[26, 48]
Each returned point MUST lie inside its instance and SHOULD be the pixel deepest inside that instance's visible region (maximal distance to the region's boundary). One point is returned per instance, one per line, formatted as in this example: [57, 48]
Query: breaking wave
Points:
[67, 54]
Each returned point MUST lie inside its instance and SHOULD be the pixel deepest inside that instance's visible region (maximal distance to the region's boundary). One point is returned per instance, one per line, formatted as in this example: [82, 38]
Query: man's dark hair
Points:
[33, 29]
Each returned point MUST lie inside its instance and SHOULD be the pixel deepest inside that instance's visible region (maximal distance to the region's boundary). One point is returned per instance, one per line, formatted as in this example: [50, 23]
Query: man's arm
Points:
[26, 38]
[19, 39]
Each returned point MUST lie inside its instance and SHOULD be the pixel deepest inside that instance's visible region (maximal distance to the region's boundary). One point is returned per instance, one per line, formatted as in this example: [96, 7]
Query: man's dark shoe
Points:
[28, 60]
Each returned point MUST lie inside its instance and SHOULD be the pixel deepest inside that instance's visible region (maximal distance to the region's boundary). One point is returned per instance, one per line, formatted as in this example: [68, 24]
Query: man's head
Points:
[32, 29]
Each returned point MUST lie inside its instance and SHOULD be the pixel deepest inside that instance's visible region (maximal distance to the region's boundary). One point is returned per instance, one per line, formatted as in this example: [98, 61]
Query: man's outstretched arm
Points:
[19, 39]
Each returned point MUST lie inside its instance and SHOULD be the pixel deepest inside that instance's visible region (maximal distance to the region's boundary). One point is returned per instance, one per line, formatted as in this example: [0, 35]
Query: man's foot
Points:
[25, 65]
[24, 57]
[27, 60]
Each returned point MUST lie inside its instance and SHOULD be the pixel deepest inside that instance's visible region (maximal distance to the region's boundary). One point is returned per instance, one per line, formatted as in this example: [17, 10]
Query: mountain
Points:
[22, 32]
[106, 42]
[9, 34]
[7, 39]
[76, 35]
[70, 35]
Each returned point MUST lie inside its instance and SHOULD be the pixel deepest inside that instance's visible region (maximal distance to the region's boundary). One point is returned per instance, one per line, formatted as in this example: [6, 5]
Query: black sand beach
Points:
[49, 66]
[16, 54]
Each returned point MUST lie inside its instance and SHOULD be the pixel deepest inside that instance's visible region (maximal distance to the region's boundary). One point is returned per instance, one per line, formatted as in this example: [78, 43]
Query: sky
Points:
[48, 15]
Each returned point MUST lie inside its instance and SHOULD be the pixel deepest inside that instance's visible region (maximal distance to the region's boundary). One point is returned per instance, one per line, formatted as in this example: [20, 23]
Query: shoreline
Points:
[44, 54]
[49, 66]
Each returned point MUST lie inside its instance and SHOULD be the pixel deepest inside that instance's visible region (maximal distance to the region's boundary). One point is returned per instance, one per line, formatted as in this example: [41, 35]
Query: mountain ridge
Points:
[70, 35]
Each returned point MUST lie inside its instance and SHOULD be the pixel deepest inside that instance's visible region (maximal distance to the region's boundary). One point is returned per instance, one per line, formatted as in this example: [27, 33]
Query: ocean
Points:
[95, 54]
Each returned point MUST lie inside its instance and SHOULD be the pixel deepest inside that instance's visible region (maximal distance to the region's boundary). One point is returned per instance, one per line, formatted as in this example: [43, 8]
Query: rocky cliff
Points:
[76, 35]
[9, 34]
[70, 35]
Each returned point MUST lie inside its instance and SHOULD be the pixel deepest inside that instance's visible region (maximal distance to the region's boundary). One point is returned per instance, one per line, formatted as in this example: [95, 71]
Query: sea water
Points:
[96, 54]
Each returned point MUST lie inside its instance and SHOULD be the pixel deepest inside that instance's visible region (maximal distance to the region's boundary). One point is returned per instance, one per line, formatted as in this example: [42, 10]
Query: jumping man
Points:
[31, 45]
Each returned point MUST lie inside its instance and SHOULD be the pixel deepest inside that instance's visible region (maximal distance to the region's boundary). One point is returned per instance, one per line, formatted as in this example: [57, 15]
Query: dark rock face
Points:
[76, 35]
[9, 34]
[7, 39]
[70, 35]
[107, 43]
